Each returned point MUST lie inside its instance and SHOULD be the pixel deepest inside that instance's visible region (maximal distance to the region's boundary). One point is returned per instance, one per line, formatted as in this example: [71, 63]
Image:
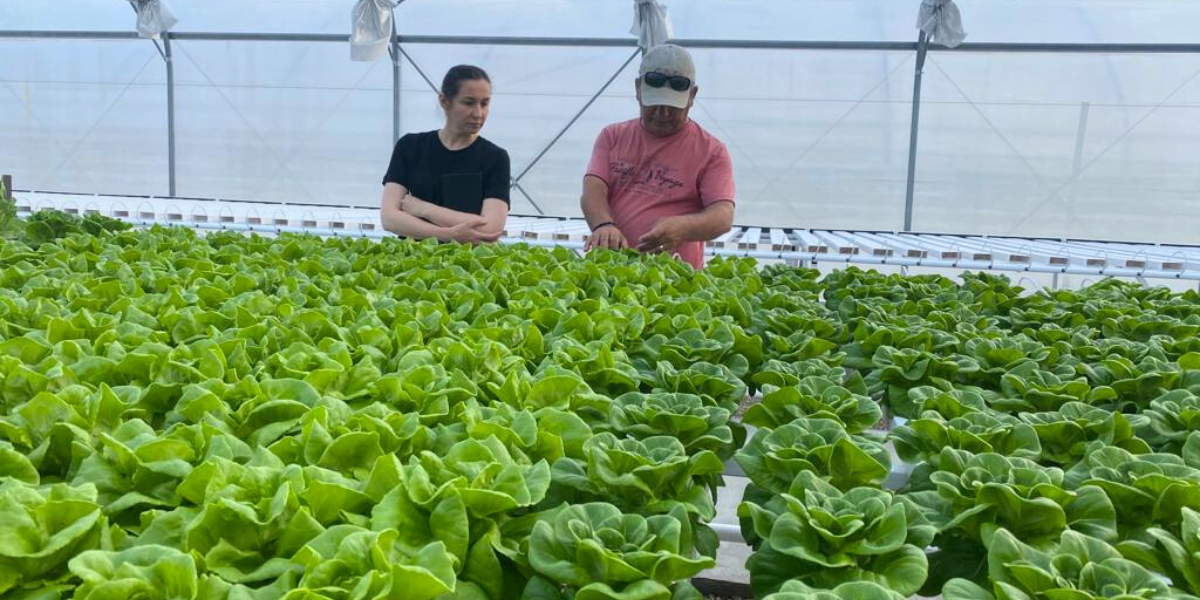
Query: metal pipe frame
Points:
[921, 47]
[915, 128]
[986, 47]
[170, 62]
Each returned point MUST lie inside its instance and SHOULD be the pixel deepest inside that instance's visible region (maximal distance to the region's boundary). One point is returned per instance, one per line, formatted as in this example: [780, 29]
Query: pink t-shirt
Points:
[654, 177]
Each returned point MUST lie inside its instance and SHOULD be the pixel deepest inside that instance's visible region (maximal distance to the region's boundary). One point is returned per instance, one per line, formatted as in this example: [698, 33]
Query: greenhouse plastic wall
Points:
[1096, 145]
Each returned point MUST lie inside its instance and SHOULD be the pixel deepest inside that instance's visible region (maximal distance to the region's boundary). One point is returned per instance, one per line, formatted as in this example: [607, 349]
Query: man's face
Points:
[662, 121]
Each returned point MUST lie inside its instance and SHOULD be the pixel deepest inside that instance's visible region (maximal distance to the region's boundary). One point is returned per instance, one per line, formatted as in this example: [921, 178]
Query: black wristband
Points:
[604, 224]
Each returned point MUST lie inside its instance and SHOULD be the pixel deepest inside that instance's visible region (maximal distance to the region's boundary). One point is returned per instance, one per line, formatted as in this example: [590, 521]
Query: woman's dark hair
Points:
[452, 82]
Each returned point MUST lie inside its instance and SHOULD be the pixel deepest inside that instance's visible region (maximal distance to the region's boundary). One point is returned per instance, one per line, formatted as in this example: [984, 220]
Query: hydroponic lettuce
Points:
[1076, 567]
[1034, 413]
[1175, 554]
[685, 417]
[966, 497]
[817, 397]
[655, 475]
[1064, 435]
[975, 432]
[48, 225]
[780, 374]
[1146, 490]
[594, 552]
[41, 529]
[773, 457]
[715, 383]
[984, 361]
[973, 493]
[896, 371]
[823, 537]
[855, 590]
[243, 418]
[1170, 420]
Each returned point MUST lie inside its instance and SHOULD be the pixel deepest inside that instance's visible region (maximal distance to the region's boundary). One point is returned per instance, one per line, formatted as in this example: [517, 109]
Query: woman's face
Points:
[467, 111]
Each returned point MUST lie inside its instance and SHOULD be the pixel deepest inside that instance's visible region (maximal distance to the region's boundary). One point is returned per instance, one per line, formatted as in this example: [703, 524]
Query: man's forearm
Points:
[713, 221]
[595, 202]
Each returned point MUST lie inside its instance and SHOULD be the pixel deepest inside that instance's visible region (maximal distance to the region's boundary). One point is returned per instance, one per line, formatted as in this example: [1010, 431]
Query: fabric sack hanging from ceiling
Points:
[651, 24]
[371, 29]
[942, 22]
[153, 18]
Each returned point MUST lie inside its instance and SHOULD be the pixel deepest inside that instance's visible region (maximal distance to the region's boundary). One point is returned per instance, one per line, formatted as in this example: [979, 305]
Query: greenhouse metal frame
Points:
[398, 55]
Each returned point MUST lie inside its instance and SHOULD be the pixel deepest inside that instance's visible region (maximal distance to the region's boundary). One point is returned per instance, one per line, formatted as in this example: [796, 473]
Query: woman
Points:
[450, 184]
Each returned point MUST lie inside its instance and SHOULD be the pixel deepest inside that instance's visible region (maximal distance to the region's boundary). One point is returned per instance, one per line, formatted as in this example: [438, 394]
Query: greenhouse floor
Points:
[731, 556]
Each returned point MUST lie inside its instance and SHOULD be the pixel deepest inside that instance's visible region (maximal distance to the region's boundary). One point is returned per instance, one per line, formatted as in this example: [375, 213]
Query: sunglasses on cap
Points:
[678, 83]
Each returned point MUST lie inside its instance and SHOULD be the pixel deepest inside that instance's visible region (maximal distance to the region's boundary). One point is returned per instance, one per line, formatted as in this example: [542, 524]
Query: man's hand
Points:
[665, 236]
[472, 232]
[608, 236]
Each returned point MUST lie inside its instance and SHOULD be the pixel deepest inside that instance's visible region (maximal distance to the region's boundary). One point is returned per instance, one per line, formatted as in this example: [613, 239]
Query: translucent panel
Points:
[1003, 138]
[986, 20]
[276, 16]
[90, 15]
[1080, 21]
[83, 116]
[269, 16]
[872, 20]
[818, 139]
[728, 19]
[287, 122]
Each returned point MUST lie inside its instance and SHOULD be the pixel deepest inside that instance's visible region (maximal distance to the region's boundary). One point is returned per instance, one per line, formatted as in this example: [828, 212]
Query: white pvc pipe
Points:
[377, 234]
[728, 533]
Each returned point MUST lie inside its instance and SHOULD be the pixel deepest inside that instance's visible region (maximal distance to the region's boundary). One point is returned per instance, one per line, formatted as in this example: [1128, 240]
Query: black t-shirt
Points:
[454, 179]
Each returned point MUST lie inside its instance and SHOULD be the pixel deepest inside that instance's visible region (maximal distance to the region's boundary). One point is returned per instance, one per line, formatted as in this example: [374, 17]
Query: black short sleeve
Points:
[459, 180]
[396, 172]
[497, 180]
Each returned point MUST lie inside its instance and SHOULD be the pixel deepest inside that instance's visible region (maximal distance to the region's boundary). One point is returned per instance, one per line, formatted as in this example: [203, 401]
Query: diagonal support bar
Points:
[579, 114]
[518, 187]
[420, 72]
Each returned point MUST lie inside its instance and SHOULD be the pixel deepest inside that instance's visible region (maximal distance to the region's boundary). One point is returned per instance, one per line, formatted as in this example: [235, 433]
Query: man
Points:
[659, 183]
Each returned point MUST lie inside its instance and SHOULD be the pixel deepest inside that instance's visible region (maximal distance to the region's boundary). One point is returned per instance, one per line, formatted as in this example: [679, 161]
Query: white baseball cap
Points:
[674, 62]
